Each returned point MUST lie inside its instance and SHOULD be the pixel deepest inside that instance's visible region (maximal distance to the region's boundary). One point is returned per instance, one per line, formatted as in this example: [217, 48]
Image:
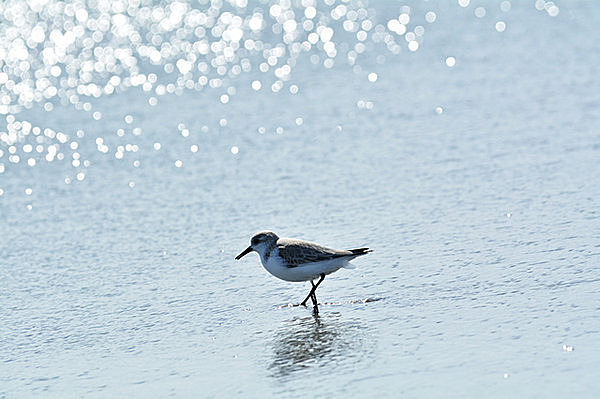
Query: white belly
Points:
[303, 272]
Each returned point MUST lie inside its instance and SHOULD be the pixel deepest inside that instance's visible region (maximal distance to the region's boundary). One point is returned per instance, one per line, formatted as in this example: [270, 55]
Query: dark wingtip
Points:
[360, 251]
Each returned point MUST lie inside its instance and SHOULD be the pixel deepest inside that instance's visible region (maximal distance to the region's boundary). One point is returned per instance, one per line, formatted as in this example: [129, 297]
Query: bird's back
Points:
[297, 252]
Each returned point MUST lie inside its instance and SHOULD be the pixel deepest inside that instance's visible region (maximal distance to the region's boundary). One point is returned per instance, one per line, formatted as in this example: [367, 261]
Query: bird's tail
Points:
[356, 252]
[360, 251]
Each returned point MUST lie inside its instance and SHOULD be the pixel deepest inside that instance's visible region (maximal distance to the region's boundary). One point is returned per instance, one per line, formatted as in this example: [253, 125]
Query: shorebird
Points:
[298, 260]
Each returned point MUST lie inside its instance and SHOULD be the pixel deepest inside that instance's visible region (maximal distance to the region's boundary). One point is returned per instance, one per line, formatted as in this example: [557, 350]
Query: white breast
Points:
[304, 272]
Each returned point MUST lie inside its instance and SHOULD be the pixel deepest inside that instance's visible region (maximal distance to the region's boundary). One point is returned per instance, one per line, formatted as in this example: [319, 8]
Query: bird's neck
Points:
[267, 252]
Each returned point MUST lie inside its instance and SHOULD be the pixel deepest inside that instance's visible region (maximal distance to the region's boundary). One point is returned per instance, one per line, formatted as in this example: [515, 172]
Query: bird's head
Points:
[261, 242]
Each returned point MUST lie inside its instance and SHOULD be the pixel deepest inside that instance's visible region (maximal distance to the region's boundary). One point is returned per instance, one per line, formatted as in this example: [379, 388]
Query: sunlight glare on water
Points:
[142, 143]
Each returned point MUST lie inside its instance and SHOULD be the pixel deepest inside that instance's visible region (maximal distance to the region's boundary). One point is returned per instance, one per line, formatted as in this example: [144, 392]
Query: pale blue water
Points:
[476, 185]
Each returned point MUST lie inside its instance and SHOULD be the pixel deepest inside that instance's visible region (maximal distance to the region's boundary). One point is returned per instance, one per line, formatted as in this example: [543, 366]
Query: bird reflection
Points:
[314, 342]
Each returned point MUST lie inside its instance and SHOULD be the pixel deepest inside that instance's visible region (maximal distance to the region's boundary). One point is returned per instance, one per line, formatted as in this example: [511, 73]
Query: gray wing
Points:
[296, 252]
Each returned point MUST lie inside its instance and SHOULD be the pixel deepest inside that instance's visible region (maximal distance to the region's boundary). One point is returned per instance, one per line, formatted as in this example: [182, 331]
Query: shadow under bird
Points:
[298, 260]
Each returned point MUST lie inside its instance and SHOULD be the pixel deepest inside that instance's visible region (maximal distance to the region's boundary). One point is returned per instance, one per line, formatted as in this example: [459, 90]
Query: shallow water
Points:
[475, 184]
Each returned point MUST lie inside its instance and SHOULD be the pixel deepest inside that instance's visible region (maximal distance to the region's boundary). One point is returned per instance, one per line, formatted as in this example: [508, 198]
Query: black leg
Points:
[311, 294]
[320, 280]
[314, 295]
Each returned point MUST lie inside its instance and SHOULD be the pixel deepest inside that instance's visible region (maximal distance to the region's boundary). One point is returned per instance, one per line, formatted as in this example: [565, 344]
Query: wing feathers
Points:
[296, 252]
[360, 251]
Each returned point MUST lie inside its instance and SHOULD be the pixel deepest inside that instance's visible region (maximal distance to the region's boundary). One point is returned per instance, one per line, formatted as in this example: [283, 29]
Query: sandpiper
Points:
[298, 260]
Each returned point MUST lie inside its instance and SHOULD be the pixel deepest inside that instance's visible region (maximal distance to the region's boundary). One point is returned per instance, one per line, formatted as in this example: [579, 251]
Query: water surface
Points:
[476, 185]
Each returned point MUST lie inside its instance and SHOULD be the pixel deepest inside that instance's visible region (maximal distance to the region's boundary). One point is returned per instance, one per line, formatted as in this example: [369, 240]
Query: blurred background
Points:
[142, 144]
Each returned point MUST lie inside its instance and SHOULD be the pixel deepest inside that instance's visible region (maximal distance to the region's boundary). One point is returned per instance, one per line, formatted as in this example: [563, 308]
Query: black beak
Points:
[246, 252]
